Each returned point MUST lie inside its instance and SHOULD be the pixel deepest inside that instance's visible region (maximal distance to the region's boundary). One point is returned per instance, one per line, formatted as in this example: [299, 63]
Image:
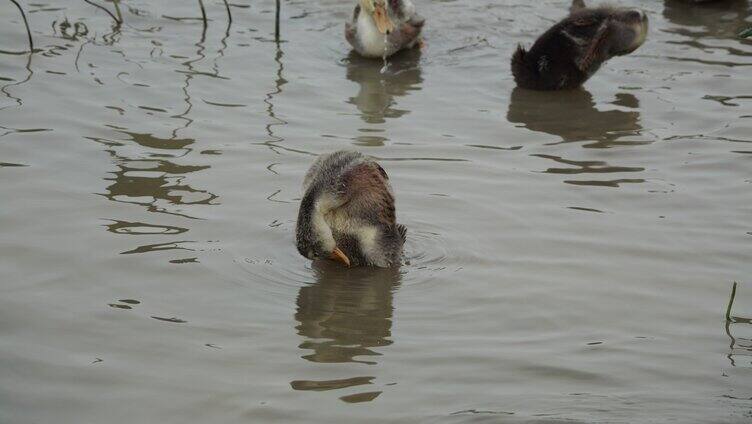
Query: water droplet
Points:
[383, 57]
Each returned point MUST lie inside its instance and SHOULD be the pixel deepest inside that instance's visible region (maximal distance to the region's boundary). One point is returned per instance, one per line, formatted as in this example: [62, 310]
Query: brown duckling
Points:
[347, 212]
[381, 28]
[571, 51]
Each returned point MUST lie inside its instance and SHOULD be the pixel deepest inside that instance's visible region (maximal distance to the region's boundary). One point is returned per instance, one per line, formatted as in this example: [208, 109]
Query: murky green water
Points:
[570, 254]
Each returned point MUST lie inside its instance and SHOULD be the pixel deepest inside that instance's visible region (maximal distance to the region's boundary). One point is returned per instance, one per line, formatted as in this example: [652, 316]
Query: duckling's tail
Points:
[402, 230]
[519, 66]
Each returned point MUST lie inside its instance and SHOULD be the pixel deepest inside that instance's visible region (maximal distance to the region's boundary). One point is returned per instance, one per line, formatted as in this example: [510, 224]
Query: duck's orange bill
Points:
[380, 16]
[337, 255]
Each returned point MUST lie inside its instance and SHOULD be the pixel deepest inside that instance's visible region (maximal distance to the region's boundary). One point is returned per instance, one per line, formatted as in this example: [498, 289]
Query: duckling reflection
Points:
[572, 115]
[346, 313]
[720, 18]
[375, 98]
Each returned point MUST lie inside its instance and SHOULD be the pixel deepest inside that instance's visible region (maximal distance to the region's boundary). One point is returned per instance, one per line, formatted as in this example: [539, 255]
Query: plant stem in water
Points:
[276, 22]
[114, 18]
[731, 302]
[28, 30]
[229, 14]
[203, 13]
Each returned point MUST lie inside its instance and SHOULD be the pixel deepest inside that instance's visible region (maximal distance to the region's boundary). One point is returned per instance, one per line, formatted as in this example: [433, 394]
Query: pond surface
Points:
[569, 257]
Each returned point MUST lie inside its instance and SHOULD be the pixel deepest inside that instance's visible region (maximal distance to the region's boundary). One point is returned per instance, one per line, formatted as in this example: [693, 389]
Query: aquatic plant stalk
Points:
[731, 302]
[28, 30]
[114, 18]
[276, 22]
[117, 9]
[229, 14]
[203, 13]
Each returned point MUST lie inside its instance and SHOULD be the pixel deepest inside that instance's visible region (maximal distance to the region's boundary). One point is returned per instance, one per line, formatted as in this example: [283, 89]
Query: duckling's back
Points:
[359, 204]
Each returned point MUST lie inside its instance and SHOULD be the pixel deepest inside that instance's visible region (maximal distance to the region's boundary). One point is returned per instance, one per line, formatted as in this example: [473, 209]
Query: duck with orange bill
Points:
[381, 28]
[347, 213]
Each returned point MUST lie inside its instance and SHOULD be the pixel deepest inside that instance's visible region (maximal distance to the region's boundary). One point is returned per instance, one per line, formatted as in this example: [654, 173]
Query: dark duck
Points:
[571, 51]
[381, 28]
[347, 213]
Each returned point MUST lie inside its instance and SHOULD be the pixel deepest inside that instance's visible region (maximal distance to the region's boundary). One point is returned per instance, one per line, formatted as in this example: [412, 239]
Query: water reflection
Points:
[15, 83]
[70, 31]
[722, 19]
[274, 141]
[376, 95]
[573, 167]
[343, 317]
[154, 181]
[150, 177]
[572, 115]
[279, 82]
[149, 173]
[740, 348]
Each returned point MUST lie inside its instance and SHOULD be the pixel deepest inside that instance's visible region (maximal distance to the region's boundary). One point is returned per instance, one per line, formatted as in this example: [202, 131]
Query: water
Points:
[570, 254]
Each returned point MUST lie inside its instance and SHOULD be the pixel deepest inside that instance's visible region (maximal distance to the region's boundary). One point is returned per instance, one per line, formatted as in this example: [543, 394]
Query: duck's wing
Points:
[369, 194]
[407, 32]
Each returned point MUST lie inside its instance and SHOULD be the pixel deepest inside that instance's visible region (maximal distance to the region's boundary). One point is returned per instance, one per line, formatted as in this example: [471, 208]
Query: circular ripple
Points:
[426, 255]
[277, 272]
[281, 269]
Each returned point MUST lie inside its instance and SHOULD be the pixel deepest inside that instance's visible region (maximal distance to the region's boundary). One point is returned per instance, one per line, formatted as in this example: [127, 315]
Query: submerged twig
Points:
[229, 14]
[118, 22]
[28, 30]
[731, 302]
[276, 22]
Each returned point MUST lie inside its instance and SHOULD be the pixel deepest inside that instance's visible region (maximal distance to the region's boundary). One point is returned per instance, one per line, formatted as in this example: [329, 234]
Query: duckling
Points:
[347, 213]
[381, 28]
[571, 51]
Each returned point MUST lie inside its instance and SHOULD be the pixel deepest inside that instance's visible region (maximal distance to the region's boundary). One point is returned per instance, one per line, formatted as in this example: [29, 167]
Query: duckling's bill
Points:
[381, 18]
[338, 255]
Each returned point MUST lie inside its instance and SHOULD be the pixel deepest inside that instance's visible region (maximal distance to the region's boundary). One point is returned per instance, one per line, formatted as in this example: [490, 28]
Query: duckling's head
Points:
[607, 31]
[379, 11]
[314, 238]
[602, 33]
[630, 30]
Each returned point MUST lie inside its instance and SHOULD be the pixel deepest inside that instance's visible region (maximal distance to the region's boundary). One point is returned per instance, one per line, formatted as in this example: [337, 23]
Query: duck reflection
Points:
[722, 18]
[572, 116]
[344, 318]
[375, 97]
